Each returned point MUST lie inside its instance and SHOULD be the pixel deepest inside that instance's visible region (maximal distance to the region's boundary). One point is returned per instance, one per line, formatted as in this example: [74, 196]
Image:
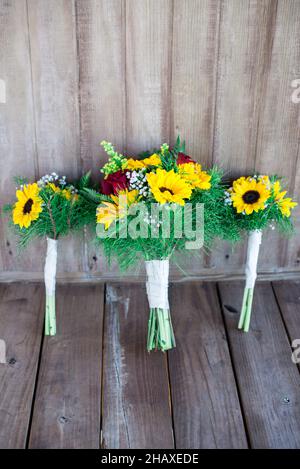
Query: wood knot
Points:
[62, 419]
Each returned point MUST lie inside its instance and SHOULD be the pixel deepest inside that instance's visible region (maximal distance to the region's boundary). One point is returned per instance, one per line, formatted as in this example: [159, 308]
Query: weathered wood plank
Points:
[55, 84]
[148, 73]
[21, 324]
[17, 133]
[279, 131]
[52, 30]
[195, 45]
[193, 84]
[101, 55]
[292, 257]
[68, 398]
[206, 408]
[135, 388]
[288, 297]
[101, 49]
[246, 28]
[268, 380]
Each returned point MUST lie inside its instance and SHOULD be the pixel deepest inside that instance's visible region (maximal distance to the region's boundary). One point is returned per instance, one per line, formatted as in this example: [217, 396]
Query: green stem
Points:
[249, 309]
[244, 308]
[160, 330]
[50, 317]
[244, 322]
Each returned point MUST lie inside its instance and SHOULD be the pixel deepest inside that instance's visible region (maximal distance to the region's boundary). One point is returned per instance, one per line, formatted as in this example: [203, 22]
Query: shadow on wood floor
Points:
[94, 385]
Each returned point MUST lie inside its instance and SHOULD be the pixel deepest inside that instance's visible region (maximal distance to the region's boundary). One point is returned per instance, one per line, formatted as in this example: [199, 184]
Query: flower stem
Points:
[160, 330]
[50, 317]
[244, 322]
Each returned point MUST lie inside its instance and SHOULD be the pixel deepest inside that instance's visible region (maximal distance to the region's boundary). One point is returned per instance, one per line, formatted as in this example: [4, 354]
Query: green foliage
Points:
[179, 146]
[60, 216]
[93, 196]
[116, 160]
[84, 181]
[217, 224]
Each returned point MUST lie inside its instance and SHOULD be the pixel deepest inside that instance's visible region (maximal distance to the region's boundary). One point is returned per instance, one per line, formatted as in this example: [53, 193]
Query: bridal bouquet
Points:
[51, 208]
[152, 207]
[257, 202]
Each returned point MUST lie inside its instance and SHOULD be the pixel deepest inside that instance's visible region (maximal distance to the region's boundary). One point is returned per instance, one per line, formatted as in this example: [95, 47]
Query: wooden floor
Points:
[94, 385]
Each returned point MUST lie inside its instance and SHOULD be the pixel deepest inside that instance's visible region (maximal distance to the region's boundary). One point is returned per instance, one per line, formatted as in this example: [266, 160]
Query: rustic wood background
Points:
[137, 73]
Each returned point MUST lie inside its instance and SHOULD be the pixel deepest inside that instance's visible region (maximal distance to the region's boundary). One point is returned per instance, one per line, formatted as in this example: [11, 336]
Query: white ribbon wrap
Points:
[254, 242]
[50, 266]
[157, 283]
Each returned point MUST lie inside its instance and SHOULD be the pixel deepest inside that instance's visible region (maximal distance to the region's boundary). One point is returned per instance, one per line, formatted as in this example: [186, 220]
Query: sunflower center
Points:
[27, 207]
[164, 189]
[250, 197]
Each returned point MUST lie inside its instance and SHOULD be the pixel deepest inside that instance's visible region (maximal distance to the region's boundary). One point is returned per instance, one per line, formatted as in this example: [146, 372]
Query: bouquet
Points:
[51, 208]
[152, 207]
[257, 202]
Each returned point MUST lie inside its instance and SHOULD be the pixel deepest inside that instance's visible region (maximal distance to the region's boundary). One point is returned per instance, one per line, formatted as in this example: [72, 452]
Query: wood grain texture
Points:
[206, 408]
[245, 47]
[21, 323]
[101, 55]
[67, 406]
[17, 130]
[136, 408]
[292, 257]
[279, 130]
[137, 73]
[288, 297]
[195, 45]
[52, 32]
[148, 73]
[268, 380]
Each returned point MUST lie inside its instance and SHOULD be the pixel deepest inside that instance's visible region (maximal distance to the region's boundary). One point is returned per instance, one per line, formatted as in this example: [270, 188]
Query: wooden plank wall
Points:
[138, 72]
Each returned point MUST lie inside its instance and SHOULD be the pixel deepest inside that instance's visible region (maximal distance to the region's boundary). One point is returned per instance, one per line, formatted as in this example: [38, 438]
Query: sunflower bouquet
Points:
[152, 207]
[257, 203]
[51, 208]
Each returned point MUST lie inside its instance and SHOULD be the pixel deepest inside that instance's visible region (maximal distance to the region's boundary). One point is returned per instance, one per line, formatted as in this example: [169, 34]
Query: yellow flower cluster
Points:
[193, 174]
[109, 212]
[252, 194]
[67, 193]
[285, 204]
[165, 186]
[168, 186]
[29, 204]
[131, 164]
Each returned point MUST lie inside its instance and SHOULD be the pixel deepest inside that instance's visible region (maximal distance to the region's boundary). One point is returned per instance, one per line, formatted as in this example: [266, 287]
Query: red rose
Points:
[182, 158]
[114, 183]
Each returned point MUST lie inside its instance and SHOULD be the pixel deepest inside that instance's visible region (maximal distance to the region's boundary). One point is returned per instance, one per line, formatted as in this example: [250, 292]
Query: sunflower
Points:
[249, 195]
[193, 174]
[108, 212]
[28, 207]
[153, 160]
[285, 204]
[168, 186]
